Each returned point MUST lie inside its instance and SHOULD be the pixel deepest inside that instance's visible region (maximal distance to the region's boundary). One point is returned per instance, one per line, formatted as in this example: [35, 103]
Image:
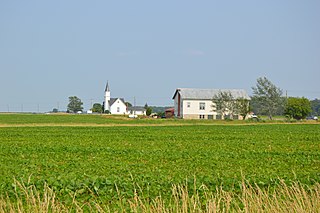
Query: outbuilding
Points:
[190, 103]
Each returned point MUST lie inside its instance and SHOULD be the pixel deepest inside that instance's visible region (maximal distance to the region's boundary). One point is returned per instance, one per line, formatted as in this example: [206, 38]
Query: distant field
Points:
[7, 119]
[62, 119]
[103, 162]
[17, 120]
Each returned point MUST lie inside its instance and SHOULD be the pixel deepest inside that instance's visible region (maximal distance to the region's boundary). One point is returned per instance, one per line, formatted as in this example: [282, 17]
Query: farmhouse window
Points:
[188, 104]
[118, 109]
[202, 106]
[201, 116]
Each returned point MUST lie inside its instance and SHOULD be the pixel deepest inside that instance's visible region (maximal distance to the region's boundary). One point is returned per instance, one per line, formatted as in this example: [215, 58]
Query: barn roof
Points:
[207, 94]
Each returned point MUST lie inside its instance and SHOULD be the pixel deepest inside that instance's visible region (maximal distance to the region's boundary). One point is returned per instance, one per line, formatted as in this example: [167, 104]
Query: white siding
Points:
[192, 107]
[138, 112]
[106, 100]
[118, 108]
[190, 100]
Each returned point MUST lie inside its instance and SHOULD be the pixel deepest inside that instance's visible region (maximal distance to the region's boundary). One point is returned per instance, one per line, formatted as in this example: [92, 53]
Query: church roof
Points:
[112, 100]
[208, 94]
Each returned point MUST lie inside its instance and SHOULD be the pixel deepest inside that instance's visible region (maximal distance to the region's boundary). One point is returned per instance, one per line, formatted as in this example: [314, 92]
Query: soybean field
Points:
[104, 162]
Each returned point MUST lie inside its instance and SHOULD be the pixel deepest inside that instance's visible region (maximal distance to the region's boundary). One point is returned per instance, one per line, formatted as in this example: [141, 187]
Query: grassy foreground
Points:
[158, 168]
[284, 198]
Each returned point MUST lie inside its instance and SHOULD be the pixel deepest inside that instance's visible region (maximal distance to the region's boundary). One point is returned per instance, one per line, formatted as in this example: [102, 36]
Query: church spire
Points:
[107, 87]
[107, 97]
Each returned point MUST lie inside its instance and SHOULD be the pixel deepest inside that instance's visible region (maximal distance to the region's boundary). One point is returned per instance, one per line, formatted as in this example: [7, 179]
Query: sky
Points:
[50, 50]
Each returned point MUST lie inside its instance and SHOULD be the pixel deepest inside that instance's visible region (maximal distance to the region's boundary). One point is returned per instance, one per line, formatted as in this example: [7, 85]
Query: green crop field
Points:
[103, 162]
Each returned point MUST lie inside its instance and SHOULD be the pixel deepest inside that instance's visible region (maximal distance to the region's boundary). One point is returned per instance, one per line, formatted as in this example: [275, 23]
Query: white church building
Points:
[115, 106]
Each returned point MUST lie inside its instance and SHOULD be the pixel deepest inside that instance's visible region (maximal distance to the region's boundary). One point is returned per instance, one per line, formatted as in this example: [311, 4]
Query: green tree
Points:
[297, 108]
[161, 114]
[243, 107]
[224, 103]
[269, 96]
[148, 111]
[128, 104]
[256, 106]
[75, 104]
[97, 108]
[315, 106]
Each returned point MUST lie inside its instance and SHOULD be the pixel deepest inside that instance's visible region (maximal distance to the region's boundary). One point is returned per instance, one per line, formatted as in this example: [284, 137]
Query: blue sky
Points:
[50, 50]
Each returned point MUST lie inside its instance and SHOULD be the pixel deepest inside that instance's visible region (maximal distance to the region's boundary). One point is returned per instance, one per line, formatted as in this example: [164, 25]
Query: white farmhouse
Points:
[137, 110]
[115, 106]
[197, 103]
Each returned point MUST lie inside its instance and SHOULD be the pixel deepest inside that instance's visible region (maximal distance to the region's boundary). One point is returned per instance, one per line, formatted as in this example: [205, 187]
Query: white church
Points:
[117, 106]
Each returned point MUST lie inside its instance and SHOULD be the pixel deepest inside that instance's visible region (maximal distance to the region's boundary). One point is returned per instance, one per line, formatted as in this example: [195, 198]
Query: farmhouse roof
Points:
[112, 100]
[207, 94]
[137, 108]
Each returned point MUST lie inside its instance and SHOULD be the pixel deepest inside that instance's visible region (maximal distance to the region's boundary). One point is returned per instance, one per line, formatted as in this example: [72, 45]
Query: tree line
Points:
[267, 100]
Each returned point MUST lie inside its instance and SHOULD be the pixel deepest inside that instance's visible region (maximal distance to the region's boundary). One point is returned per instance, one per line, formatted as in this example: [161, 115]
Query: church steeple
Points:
[107, 87]
[107, 97]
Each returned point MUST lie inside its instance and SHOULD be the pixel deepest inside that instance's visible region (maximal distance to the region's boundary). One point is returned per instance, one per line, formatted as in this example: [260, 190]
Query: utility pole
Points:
[8, 107]
[134, 106]
[38, 108]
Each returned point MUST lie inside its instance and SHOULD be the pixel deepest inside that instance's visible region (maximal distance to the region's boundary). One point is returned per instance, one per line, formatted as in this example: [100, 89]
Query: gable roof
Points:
[207, 94]
[112, 100]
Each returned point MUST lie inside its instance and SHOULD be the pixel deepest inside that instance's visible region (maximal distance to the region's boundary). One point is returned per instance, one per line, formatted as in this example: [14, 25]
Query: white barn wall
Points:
[197, 96]
[194, 109]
